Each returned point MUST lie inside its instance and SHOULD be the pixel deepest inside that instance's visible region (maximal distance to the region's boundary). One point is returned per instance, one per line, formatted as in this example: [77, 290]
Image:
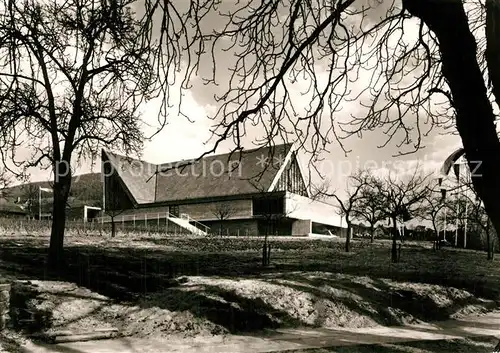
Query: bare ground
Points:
[218, 306]
[216, 287]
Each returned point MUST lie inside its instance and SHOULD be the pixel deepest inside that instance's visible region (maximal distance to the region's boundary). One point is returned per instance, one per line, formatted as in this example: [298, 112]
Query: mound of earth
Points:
[207, 306]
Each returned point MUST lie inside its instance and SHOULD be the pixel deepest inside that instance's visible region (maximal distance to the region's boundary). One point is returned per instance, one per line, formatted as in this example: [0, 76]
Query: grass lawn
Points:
[197, 286]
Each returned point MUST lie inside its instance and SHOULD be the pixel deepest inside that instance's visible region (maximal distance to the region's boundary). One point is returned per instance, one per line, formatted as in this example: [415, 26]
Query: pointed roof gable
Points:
[246, 172]
[137, 176]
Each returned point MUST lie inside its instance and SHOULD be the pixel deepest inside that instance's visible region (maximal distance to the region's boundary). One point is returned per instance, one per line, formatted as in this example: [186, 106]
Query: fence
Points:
[33, 227]
[158, 220]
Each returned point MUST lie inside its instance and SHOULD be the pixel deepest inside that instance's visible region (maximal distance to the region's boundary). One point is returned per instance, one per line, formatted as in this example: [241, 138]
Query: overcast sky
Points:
[182, 139]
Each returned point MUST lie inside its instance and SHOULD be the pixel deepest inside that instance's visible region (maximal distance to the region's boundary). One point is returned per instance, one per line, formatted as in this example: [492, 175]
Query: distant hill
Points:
[85, 189]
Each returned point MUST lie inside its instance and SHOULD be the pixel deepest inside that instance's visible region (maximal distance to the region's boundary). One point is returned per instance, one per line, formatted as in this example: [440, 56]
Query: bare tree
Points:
[273, 209]
[30, 197]
[464, 206]
[5, 182]
[370, 206]
[419, 71]
[73, 76]
[348, 205]
[434, 205]
[478, 216]
[404, 199]
[113, 210]
[222, 210]
[468, 207]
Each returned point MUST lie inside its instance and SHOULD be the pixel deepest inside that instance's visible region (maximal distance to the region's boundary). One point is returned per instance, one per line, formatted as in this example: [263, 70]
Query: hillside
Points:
[85, 188]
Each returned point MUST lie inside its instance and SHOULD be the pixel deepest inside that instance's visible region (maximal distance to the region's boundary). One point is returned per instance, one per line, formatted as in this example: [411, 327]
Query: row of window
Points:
[260, 207]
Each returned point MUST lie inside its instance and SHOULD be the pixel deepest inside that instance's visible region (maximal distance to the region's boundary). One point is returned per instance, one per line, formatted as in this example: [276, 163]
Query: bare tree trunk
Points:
[395, 234]
[493, 45]
[348, 238]
[372, 233]
[265, 252]
[474, 112]
[437, 234]
[61, 188]
[113, 227]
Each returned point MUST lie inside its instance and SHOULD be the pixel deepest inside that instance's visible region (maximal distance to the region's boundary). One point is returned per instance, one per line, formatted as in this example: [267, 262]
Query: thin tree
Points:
[370, 206]
[273, 209]
[113, 208]
[404, 197]
[348, 204]
[428, 62]
[480, 217]
[73, 75]
[434, 205]
[468, 207]
[30, 197]
[222, 211]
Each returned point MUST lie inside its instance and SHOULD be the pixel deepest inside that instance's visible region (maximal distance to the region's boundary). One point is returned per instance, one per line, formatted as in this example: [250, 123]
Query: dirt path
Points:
[287, 339]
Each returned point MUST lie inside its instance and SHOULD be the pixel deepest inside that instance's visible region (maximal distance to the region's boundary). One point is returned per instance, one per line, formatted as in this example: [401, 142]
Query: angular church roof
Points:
[245, 172]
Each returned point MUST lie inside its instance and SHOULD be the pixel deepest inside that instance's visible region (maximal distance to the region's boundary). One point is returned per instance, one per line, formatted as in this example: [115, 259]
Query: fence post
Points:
[158, 219]
[146, 221]
[238, 233]
[166, 223]
[134, 222]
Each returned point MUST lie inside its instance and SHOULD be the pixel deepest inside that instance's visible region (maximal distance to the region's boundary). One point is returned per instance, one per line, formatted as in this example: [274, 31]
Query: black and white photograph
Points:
[249, 176]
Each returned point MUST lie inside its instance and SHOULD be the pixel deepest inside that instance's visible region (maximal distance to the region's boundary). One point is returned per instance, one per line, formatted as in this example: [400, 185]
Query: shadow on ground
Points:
[128, 273]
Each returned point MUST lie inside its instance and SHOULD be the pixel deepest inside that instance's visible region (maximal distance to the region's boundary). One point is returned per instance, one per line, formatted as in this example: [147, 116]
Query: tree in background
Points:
[348, 205]
[467, 209]
[73, 75]
[113, 209]
[222, 211]
[370, 206]
[30, 193]
[480, 218]
[404, 198]
[434, 205]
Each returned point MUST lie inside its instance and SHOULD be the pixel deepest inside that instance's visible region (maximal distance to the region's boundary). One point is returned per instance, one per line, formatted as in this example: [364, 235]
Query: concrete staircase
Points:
[185, 223]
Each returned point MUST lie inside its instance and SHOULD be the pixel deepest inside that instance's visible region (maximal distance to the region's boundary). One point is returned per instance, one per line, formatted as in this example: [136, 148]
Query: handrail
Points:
[195, 221]
[150, 216]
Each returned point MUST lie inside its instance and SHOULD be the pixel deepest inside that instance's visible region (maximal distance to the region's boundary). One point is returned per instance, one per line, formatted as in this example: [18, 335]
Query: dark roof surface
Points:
[221, 175]
[137, 175]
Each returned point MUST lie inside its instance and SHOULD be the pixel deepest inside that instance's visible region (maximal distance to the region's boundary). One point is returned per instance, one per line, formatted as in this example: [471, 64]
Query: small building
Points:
[252, 192]
[9, 209]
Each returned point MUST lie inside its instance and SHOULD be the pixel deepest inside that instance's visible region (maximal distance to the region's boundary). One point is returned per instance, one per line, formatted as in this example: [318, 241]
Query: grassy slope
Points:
[195, 286]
